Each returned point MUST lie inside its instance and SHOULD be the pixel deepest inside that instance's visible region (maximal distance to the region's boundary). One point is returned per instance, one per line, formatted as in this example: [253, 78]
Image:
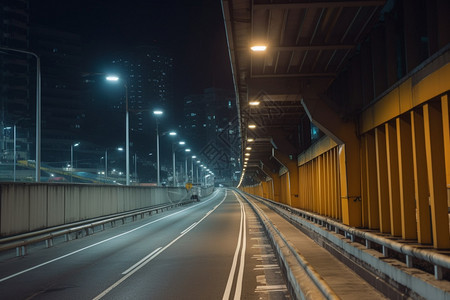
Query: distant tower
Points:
[63, 109]
[149, 75]
[210, 123]
[15, 74]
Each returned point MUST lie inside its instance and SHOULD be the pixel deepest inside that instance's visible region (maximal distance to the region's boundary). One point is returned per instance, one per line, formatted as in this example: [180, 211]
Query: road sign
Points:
[188, 186]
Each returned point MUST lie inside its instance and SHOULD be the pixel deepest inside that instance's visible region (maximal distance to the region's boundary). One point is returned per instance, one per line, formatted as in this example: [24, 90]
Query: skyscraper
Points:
[15, 76]
[149, 77]
[213, 115]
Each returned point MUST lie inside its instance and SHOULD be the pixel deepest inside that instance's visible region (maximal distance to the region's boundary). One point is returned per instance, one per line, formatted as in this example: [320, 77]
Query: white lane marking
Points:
[189, 228]
[238, 291]
[101, 242]
[226, 294]
[266, 267]
[139, 262]
[105, 292]
[271, 288]
[242, 240]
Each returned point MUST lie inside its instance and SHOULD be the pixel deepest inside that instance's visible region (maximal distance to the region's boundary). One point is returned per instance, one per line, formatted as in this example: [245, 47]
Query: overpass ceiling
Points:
[308, 43]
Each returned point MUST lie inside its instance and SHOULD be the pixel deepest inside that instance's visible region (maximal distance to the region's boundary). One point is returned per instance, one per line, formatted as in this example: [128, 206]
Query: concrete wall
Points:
[26, 207]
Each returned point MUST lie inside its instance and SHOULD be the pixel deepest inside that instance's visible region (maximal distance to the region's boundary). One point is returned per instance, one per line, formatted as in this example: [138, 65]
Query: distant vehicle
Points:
[194, 195]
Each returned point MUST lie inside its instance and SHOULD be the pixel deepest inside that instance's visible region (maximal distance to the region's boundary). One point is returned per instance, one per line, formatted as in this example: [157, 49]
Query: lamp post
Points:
[71, 158]
[192, 167]
[127, 129]
[157, 113]
[38, 108]
[181, 143]
[185, 164]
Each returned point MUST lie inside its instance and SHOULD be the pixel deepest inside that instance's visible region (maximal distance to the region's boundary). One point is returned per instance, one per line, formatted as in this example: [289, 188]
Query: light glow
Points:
[254, 103]
[250, 140]
[112, 78]
[258, 48]
[252, 126]
[158, 112]
[248, 148]
[172, 133]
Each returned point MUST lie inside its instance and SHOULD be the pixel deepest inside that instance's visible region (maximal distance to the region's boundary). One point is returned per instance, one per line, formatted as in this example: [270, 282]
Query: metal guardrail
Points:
[438, 260]
[20, 242]
[315, 277]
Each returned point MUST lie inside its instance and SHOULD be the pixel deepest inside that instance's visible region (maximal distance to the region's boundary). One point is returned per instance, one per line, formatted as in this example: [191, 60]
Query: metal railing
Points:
[20, 242]
[438, 260]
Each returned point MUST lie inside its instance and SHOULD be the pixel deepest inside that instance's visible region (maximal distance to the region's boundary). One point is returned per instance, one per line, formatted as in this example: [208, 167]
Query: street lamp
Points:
[71, 158]
[192, 167]
[181, 143]
[157, 113]
[113, 78]
[106, 162]
[185, 164]
[38, 108]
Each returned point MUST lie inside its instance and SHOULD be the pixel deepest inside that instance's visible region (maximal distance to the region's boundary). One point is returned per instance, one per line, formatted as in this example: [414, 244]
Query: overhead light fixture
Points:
[158, 112]
[172, 133]
[250, 140]
[254, 103]
[246, 158]
[248, 148]
[252, 126]
[258, 48]
[247, 154]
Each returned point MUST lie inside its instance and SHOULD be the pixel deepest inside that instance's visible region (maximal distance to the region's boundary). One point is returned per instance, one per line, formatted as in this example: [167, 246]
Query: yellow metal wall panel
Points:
[406, 177]
[411, 93]
[434, 147]
[372, 189]
[436, 83]
[446, 132]
[382, 178]
[420, 178]
[387, 108]
[405, 96]
[364, 188]
[394, 186]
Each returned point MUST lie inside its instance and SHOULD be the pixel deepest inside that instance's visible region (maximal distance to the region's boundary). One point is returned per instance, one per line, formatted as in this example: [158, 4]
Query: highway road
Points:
[213, 249]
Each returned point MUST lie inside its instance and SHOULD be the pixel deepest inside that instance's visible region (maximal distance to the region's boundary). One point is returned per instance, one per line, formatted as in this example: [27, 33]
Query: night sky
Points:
[191, 31]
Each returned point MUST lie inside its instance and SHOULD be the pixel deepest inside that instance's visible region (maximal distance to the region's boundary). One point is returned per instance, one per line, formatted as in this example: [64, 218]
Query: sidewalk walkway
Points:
[340, 278]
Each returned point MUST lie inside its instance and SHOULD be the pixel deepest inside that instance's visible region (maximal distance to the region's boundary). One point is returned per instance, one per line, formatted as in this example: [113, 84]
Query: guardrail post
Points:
[409, 261]
[438, 274]
[17, 251]
[368, 244]
[385, 251]
[49, 243]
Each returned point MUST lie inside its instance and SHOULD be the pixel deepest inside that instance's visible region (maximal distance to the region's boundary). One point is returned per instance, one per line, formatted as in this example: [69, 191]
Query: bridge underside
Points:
[353, 114]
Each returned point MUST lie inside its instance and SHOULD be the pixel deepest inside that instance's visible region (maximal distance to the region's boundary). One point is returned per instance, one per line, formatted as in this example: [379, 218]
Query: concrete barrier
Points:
[26, 207]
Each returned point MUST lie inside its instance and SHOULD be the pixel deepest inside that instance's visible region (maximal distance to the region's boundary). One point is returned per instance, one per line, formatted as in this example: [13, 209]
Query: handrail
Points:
[21, 241]
[320, 283]
[437, 259]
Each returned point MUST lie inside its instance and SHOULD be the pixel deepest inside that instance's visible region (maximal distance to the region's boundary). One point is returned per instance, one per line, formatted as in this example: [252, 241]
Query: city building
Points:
[148, 72]
[63, 107]
[213, 115]
[16, 79]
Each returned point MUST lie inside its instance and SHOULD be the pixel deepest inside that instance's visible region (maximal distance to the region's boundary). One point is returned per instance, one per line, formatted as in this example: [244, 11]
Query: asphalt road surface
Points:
[214, 249]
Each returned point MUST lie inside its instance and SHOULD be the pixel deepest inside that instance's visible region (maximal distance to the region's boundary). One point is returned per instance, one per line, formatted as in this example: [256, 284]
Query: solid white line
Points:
[238, 291]
[226, 294]
[139, 262]
[189, 228]
[101, 242]
[105, 292]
